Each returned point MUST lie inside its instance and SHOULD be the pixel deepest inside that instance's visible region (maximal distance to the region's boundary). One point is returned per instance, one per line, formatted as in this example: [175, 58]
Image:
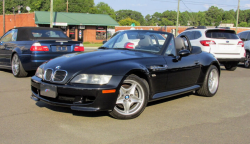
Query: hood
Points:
[81, 62]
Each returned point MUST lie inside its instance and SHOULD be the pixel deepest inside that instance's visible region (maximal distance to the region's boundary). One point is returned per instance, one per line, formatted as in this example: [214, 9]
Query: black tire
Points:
[204, 90]
[247, 61]
[231, 66]
[125, 97]
[17, 72]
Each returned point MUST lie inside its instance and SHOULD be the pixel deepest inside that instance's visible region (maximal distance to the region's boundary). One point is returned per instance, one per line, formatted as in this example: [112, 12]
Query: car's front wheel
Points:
[211, 82]
[231, 66]
[246, 64]
[132, 98]
[17, 68]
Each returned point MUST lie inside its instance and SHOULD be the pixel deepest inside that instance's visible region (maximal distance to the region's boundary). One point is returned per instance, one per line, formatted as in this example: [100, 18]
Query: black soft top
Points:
[24, 33]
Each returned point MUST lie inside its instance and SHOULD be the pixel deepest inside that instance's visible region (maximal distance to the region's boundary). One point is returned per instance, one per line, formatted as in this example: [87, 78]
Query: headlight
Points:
[91, 79]
[39, 72]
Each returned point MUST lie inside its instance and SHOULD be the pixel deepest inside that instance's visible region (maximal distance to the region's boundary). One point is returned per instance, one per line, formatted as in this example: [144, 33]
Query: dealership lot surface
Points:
[223, 118]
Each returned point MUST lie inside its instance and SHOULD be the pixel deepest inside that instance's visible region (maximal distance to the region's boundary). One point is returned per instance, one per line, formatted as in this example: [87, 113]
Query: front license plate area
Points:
[61, 48]
[48, 90]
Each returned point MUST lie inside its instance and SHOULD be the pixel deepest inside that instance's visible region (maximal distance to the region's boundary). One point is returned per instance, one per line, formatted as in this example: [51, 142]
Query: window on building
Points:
[101, 33]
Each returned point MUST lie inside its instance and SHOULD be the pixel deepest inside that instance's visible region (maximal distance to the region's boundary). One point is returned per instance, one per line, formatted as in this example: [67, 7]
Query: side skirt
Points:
[174, 92]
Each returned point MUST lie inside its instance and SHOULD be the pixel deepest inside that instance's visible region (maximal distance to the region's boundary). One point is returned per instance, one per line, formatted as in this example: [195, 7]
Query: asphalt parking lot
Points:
[192, 119]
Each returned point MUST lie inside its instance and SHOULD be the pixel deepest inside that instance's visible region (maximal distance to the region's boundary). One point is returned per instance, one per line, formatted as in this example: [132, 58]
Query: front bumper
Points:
[231, 59]
[76, 97]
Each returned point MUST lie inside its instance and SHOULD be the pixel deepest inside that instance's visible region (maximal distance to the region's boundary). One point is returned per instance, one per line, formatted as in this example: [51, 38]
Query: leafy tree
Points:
[81, 6]
[128, 21]
[243, 24]
[212, 13]
[103, 8]
[59, 5]
[167, 22]
[123, 14]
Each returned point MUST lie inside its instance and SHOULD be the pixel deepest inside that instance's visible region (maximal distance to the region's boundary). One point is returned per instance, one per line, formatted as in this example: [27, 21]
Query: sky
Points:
[152, 6]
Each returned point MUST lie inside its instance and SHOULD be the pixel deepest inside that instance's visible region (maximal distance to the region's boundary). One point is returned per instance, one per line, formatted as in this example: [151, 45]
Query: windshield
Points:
[48, 34]
[151, 41]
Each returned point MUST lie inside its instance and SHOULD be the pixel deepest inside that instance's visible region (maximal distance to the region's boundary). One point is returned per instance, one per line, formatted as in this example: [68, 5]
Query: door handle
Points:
[196, 62]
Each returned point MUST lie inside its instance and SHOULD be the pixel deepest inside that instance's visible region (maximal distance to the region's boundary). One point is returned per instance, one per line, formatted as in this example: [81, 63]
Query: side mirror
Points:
[104, 42]
[184, 53]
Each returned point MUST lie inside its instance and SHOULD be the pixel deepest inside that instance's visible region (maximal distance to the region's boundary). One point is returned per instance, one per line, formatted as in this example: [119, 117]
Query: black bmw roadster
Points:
[130, 70]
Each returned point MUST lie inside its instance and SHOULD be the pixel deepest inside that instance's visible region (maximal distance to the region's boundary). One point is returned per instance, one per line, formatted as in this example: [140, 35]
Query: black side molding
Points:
[175, 92]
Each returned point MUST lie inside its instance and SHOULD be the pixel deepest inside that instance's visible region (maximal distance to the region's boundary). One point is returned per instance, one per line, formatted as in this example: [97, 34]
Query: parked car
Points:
[245, 36]
[223, 43]
[23, 49]
[122, 80]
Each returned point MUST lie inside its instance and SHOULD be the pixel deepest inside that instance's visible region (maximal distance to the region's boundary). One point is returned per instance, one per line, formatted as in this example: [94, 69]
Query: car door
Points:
[10, 46]
[247, 42]
[3, 45]
[181, 73]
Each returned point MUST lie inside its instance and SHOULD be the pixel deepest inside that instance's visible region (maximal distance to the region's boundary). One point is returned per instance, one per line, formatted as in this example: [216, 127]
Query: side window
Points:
[243, 36]
[14, 36]
[190, 35]
[171, 48]
[248, 37]
[7, 37]
[184, 33]
[197, 34]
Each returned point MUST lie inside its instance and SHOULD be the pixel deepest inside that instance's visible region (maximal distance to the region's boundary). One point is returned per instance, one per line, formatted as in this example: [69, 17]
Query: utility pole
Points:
[3, 17]
[51, 13]
[67, 5]
[237, 16]
[177, 22]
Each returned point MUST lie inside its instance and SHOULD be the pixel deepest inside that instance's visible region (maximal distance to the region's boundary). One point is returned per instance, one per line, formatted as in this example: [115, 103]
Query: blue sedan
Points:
[23, 49]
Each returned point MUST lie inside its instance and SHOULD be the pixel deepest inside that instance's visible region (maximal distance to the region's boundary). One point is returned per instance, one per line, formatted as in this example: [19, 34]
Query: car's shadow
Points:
[30, 73]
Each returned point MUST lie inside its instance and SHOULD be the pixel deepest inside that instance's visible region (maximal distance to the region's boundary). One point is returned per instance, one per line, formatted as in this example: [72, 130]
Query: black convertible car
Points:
[23, 49]
[130, 70]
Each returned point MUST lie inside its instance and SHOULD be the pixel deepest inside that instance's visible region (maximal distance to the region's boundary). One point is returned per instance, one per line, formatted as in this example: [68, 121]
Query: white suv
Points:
[224, 44]
[245, 36]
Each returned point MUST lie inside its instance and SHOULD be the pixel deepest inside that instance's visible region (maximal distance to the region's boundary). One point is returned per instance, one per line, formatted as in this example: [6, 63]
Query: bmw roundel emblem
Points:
[58, 67]
[61, 43]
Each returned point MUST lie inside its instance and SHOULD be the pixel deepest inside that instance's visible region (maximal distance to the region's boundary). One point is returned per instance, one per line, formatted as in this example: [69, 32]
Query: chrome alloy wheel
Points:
[213, 81]
[246, 64]
[130, 99]
[15, 65]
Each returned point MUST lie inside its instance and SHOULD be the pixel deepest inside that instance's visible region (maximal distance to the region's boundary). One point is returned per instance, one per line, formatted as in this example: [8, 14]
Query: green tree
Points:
[81, 6]
[59, 5]
[211, 15]
[103, 8]
[123, 14]
[128, 21]
[243, 24]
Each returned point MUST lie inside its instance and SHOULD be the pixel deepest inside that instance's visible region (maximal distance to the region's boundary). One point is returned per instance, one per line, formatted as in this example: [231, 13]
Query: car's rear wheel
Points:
[231, 66]
[211, 83]
[246, 64]
[132, 98]
[17, 68]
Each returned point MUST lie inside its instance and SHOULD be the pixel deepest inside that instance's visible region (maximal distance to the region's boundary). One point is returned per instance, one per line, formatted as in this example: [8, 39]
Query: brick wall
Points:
[17, 20]
[156, 28]
[167, 28]
[239, 29]
[90, 34]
